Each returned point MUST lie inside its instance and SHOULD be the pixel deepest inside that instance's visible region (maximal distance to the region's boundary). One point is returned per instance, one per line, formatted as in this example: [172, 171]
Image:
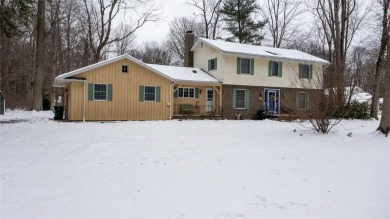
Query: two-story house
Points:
[257, 77]
[221, 79]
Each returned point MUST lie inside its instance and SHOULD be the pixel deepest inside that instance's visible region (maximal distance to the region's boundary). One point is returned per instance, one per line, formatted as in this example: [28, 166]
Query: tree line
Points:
[40, 39]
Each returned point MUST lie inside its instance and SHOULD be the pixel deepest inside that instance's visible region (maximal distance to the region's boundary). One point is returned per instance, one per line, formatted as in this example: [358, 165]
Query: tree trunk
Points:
[384, 125]
[379, 62]
[40, 58]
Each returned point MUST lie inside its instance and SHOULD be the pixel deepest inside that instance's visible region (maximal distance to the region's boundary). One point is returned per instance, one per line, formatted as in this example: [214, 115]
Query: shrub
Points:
[354, 110]
[260, 115]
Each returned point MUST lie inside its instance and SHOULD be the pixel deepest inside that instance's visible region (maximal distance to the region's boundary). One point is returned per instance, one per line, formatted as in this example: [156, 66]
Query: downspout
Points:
[84, 103]
[170, 101]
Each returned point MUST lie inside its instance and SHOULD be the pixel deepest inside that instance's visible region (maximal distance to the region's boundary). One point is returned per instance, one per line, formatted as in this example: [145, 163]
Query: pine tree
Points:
[239, 16]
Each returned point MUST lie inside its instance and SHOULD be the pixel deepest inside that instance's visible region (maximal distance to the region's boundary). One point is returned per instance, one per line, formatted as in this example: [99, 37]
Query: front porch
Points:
[197, 101]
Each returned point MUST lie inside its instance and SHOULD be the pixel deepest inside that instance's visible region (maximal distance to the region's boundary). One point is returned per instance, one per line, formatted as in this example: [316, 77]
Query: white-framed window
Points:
[100, 91]
[302, 100]
[186, 92]
[212, 64]
[245, 66]
[125, 69]
[240, 98]
[305, 71]
[149, 93]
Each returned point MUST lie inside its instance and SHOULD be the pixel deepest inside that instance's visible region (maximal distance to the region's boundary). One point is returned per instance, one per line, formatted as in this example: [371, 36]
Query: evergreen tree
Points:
[239, 16]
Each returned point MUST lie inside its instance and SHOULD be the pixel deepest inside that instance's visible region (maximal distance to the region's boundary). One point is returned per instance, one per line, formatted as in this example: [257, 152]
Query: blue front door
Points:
[271, 101]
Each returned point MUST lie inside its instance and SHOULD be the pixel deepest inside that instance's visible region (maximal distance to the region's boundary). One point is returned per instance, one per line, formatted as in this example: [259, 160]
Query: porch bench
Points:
[187, 108]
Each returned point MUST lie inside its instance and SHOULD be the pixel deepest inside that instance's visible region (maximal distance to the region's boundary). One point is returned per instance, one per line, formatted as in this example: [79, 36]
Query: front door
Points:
[272, 101]
[210, 100]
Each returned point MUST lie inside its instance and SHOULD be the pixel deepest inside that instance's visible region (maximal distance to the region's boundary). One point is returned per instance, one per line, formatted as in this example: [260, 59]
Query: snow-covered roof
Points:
[361, 97]
[260, 51]
[184, 74]
[172, 73]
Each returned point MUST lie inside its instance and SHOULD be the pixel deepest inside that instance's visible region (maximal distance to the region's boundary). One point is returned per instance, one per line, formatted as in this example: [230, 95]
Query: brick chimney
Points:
[189, 39]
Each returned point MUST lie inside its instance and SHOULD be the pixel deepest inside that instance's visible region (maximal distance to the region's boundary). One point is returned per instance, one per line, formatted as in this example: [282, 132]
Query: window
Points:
[305, 71]
[274, 68]
[188, 92]
[245, 66]
[124, 68]
[150, 93]
[100, 92]
[212, 64]
[302, 100]
[240, 99]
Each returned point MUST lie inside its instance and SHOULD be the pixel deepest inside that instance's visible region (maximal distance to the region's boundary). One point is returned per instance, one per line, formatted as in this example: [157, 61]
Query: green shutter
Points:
[176, 93]
[307, 101]
[158, 94]
[270, 68]
[209, 64]
[109, 92]
[196, 92]
[141, 93]
[252, 70]
[90, 91]
[280, 69]
[247, 99]
[310, 71]
[300, 71]
[238, 65]
[297, 100]
[215, 64]
[234, 98]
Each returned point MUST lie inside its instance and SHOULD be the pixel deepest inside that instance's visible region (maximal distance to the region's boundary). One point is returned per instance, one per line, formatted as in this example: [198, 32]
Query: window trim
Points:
[308, 71]
[240, 108]
[178, 92]
[100, 91]
[155, 94]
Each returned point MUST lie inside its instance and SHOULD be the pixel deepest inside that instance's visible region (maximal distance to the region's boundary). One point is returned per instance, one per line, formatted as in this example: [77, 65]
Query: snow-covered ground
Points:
[191, 169]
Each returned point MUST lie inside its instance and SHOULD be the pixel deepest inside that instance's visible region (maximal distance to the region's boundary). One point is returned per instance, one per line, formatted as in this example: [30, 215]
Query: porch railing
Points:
[197, 110]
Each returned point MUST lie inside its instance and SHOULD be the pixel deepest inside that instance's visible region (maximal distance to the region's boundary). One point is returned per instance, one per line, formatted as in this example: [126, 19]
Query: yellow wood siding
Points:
[125, 104]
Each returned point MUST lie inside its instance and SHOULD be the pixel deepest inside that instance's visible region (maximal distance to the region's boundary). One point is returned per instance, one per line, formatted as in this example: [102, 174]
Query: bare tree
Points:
[175, 39]
[100, 15]
[153, 53]
[281, 15]
[380, 60]
[340, 20]
[209, 11]
[124, 45]
[40, 57]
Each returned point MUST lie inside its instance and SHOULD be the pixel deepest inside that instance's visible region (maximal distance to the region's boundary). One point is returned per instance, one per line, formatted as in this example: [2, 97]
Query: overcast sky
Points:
[158, 31]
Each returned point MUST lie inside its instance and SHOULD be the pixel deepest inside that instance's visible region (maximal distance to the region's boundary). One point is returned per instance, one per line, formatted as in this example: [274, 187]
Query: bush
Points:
[354, 110]
[260, 115]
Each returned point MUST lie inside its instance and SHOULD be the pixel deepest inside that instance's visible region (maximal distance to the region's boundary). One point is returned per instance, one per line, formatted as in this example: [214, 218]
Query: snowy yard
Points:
[191, 169]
